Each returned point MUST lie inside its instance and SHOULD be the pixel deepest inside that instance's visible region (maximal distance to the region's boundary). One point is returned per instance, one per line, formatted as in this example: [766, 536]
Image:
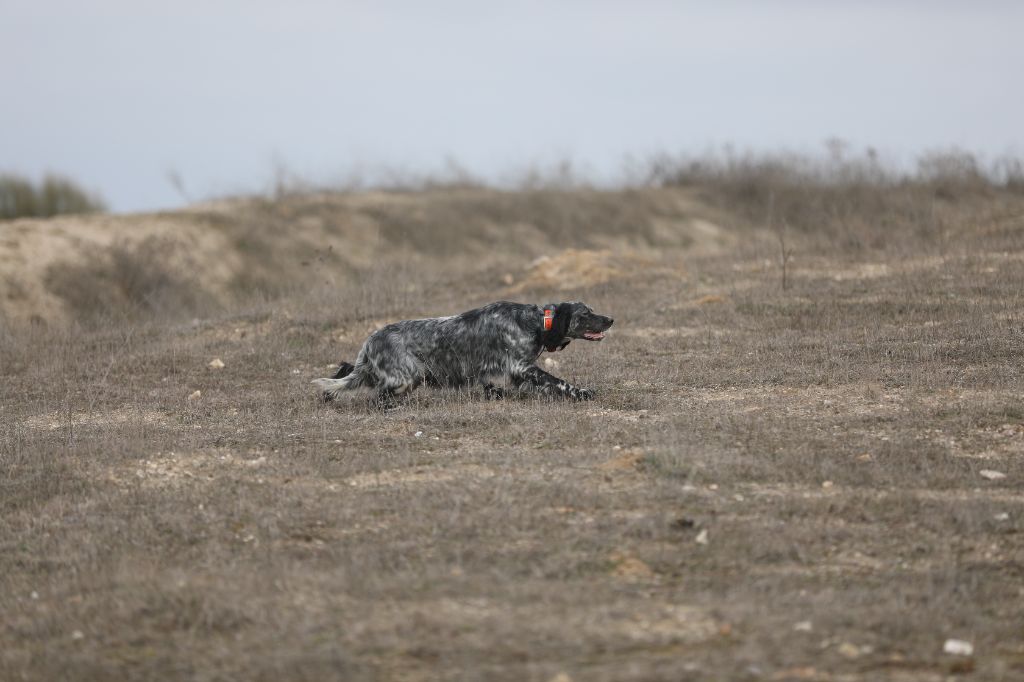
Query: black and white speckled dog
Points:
[495, 345]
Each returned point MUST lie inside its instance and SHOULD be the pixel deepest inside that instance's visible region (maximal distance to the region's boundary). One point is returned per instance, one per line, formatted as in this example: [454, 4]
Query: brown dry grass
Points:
[756, 458]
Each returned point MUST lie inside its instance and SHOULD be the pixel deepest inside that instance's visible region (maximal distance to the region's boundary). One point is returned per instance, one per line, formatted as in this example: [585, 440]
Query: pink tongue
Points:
[594, 335]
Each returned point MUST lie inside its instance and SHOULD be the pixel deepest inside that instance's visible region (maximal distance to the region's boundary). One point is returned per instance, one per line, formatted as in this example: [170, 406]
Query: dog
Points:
[492, 346]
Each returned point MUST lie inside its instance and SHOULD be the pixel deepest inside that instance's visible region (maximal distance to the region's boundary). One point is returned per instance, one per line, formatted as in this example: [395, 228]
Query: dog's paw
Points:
[583, 394]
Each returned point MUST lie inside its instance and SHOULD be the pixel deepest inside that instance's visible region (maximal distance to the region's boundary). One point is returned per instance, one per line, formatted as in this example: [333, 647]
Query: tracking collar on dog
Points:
[550, 330]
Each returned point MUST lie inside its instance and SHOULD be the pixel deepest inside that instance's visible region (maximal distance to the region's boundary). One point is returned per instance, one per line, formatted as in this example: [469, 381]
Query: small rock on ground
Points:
[848, 650]
[958, 647]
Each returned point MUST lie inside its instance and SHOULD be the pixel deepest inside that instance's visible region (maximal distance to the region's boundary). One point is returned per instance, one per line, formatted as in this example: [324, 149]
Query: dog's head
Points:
[575, 320]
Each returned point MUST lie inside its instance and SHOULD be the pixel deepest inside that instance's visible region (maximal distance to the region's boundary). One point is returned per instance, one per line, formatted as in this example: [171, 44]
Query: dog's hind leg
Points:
[548, 384]
[492, 392]
[387, 397]
[344, 369]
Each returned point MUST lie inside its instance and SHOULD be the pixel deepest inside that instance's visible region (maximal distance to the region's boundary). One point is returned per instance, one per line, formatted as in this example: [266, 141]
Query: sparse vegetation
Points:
[774, 483]
[134, 281]
[856, 201]
[55, 195]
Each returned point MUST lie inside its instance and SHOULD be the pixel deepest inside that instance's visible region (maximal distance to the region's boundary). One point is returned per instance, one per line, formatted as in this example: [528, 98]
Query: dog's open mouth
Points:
[593, 336]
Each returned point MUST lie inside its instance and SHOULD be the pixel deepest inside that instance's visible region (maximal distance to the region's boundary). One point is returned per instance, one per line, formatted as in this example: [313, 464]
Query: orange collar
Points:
[549, 325]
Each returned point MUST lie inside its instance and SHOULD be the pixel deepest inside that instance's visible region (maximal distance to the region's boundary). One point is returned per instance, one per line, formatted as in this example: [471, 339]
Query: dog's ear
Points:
[553, 338]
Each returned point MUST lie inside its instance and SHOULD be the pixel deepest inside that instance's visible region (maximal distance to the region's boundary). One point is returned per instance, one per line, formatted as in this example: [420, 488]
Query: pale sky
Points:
[118, 93]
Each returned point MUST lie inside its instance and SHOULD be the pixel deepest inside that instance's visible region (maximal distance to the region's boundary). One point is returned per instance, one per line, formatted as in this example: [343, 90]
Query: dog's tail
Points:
[346, 378]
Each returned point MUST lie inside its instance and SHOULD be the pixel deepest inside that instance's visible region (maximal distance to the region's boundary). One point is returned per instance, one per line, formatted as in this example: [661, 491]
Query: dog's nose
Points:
[610, 321]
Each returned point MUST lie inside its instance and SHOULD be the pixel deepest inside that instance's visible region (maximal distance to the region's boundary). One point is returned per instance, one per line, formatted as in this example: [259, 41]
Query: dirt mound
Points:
[188, 262]
[50, 266]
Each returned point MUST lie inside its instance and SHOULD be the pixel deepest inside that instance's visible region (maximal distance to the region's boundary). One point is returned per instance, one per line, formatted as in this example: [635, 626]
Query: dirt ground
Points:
[816, 482]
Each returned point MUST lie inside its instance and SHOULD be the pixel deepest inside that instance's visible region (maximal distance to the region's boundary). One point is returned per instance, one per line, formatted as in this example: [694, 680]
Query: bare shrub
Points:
[852, 201]
[55, 195]
[17, 197]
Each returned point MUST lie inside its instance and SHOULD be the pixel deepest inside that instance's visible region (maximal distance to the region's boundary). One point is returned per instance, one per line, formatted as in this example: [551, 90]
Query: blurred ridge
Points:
[212, 256]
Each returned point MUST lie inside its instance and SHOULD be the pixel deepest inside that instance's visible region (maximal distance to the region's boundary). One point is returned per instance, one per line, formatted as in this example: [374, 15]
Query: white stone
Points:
[958, 647]
[848, 650]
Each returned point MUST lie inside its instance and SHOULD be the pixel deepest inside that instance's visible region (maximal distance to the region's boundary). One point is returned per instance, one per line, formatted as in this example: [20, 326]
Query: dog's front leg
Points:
[551, 385]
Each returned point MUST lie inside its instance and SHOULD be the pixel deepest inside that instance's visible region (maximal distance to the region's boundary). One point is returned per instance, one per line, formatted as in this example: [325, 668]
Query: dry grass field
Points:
[774, 483]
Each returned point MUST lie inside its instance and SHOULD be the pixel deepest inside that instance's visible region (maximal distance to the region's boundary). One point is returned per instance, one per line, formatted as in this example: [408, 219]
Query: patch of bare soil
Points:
[175, 469]
[52, 421]
[578, 268]
[629, 460]
[417, 476]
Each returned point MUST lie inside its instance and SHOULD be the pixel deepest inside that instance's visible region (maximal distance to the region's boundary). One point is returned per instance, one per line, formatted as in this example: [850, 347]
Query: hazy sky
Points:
[118, 93]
